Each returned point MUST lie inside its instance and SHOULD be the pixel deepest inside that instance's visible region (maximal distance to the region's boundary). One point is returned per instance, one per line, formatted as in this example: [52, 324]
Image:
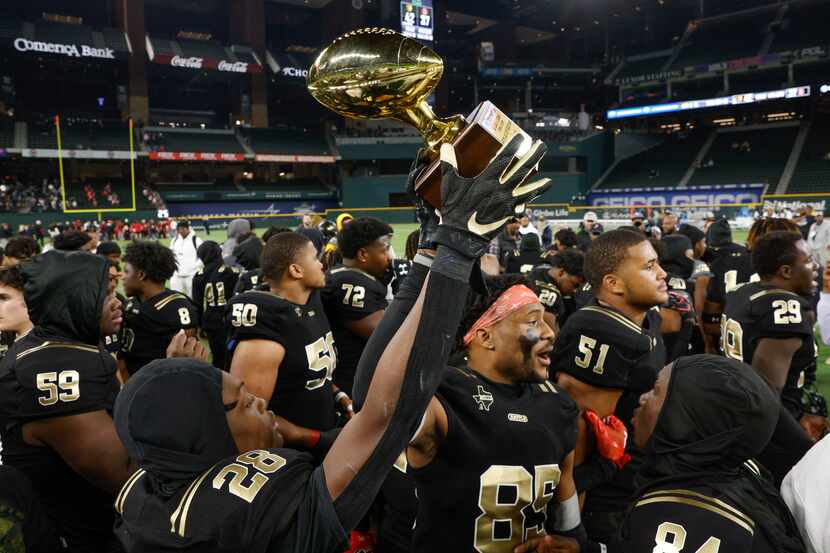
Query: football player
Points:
[732, 268]
[217, 480]
[282, 347]
[154, 314]
[607, 354]
[700, 490]
[527, 257]
[768, 324]
[14, 318]
[112, 343]
[355, 295]
[557, 282]
[57, 387]
[213, 285]
[252, 280]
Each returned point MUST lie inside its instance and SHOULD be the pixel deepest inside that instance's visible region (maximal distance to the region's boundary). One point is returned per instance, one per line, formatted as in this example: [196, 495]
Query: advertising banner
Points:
[678, 197]
[289, 158]
[195, 156]
[195, 62]
[71, 50]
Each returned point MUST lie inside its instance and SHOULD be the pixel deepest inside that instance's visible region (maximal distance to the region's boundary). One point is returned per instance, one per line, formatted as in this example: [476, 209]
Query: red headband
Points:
[512, 299]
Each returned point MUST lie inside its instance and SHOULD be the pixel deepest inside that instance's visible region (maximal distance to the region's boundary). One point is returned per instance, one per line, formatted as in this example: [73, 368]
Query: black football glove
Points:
[474, 210]
[425, 213]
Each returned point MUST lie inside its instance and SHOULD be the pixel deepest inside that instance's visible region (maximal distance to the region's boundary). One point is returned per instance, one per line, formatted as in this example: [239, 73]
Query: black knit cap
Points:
[171, 420]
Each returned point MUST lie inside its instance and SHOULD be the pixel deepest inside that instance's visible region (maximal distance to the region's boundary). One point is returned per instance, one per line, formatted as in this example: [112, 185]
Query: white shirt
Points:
[806, 491]
[185, 250]
[819, 241]
[528, 229]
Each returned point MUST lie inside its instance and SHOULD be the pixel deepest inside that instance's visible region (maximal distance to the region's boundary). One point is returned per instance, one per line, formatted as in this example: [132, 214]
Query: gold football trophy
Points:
[377, 73]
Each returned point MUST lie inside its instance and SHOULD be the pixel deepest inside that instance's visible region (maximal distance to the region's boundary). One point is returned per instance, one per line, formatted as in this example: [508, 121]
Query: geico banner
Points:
[195, 156]
[678, 197]
[72, 50]
[196, 62]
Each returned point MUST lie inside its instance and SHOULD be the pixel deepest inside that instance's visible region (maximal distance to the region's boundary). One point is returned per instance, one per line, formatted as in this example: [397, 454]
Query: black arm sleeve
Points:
[393, 317]
[446, 292]
[787, 446]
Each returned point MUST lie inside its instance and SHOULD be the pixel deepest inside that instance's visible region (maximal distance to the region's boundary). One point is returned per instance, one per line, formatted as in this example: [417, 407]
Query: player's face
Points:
[378, 257]
[567, 283]
[111, 315]
[183, 231]
[803, 271]
[115, 276]
[651, 403]
[313, 275]
[13, 314]
[523, 342]
[669, 222]
[132, 282]
[641, 279]
[252, 425]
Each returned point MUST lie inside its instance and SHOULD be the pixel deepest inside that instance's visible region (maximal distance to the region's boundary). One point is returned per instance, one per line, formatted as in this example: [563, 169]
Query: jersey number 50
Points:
[504, 493]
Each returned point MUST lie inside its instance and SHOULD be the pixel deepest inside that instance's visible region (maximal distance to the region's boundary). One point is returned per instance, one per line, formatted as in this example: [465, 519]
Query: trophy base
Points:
[475, 147]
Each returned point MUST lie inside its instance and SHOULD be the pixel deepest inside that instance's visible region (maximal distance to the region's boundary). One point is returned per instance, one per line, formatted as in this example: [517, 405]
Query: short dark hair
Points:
[607, 252]
[108, 248]
[12, 277]
[774, 250]
[184, 223]
[22, 247]
[279, 252]
[71, 240]
[477, 303]
[566, 237]
[209, 252]
[359, 233]
[571, 261]
[412, 244]
[273, 230]
[762, 227]
[156, 261]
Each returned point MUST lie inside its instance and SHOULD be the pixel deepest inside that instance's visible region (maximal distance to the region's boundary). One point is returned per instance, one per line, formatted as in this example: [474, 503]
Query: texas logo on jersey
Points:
[483, 398]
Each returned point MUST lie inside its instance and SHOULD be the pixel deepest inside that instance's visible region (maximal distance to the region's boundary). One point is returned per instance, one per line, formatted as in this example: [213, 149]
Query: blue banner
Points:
[678, 197]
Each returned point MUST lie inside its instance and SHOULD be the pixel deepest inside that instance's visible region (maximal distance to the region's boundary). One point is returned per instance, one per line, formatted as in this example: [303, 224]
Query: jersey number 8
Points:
[62, 386]
[678, 540]
[502, 525]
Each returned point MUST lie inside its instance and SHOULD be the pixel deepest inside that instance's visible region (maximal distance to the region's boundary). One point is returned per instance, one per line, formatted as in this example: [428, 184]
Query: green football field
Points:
[403, 230]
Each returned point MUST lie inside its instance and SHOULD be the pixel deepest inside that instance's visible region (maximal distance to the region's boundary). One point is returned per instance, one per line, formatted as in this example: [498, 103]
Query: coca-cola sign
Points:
[190, 63]
[72, 50]
[233, 67]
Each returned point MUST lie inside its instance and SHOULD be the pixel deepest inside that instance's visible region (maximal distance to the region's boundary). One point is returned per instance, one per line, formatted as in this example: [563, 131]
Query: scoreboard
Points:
[417, 19]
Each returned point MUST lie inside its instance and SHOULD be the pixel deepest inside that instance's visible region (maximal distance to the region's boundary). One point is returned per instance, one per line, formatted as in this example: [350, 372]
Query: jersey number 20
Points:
[504, 493]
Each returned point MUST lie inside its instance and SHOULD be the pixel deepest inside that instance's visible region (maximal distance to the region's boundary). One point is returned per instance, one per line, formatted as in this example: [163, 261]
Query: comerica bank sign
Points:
[71, 50]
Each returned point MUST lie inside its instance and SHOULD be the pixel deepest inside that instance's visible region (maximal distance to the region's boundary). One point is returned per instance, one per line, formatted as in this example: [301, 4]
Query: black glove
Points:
[423, 211]
[474, 210]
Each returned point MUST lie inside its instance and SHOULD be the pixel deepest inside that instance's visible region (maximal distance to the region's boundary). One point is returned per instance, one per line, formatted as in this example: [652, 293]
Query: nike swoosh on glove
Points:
[474, 210]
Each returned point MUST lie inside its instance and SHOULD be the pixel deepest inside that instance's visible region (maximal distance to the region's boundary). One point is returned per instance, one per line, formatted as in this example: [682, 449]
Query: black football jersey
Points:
[211, 293]
[549, 294]
[303, 391]
[400, 268]
[679, 343]
[488, 487]
[684, 519]
[150, 325]
[112, 343]
[398, 500]
[42, 379]
[250, 280]
[262, 501]
[759, 310]
[522, 261]
[729, 272]
[350, 295]
[6, 341]
[584, 296]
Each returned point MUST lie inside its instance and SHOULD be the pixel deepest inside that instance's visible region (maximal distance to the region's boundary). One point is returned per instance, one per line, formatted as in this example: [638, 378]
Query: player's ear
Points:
[362, 255]
[613, 283]
[485, 338]
[785, 271]
[295, 271]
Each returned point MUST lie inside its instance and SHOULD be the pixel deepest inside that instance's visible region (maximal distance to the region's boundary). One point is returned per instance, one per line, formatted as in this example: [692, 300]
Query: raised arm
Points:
[410, 368]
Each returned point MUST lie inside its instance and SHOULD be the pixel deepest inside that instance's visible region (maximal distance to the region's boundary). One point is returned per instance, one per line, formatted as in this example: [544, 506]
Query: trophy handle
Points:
[434, 130]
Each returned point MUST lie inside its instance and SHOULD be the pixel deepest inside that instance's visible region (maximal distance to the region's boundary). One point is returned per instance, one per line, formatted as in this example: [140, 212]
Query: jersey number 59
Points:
[59, 386]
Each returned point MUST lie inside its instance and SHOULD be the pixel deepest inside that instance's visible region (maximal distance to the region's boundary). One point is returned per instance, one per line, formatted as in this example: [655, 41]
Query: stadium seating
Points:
[663, 165]
[286, 141]
[79, 133]
[726, 38]
[769, 150]
[195, 141]
[812, 174]
[641, 67]
[6, 132]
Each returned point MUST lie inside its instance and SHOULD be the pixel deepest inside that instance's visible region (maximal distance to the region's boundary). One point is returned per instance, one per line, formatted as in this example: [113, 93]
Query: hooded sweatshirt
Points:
[60, 370]
[698, 481]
